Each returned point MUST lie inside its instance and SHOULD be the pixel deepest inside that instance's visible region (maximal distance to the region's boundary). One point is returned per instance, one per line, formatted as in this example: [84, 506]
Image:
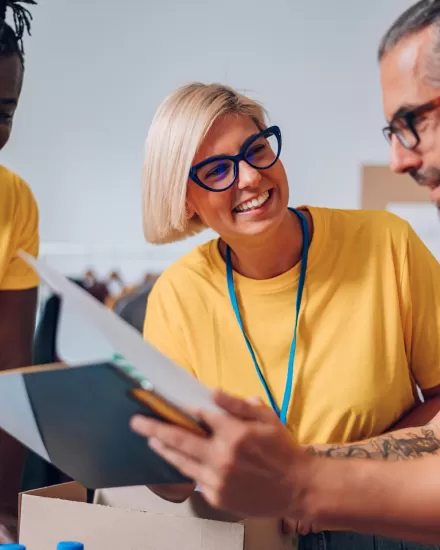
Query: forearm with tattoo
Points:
[401, 445]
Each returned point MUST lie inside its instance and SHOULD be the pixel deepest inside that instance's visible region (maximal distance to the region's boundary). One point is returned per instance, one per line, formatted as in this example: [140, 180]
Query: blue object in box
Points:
[13, 546]
[70, 546]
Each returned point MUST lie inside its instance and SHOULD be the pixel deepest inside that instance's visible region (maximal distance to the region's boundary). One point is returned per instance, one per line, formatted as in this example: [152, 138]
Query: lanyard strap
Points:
[282, 414]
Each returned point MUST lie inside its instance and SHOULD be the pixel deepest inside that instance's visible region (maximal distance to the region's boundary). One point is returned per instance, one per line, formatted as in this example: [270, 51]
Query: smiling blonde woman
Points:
[318, 311]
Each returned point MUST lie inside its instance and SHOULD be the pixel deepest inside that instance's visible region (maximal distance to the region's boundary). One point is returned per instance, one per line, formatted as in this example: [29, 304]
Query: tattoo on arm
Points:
[403, 446]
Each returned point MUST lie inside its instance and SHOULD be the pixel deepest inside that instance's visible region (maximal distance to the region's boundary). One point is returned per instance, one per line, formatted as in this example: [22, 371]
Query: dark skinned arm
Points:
[17, 322]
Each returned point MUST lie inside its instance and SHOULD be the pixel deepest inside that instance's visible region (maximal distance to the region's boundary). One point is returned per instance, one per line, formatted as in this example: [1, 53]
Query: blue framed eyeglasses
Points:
[219, 173]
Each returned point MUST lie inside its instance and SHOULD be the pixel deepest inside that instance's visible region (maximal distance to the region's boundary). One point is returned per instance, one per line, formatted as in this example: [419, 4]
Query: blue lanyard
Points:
[302, 277]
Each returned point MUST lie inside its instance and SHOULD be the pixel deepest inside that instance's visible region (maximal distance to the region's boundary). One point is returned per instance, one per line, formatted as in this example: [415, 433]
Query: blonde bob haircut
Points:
[179, 126]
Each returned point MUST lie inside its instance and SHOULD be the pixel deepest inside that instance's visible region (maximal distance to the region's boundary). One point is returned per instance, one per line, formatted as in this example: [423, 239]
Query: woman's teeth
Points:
[252, 204]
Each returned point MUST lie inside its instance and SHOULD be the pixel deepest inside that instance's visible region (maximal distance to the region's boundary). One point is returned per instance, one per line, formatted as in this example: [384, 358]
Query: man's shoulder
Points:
[19, 222]
[14, 192]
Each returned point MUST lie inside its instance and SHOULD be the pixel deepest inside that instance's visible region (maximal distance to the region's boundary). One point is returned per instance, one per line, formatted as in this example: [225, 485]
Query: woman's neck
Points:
[273, 256]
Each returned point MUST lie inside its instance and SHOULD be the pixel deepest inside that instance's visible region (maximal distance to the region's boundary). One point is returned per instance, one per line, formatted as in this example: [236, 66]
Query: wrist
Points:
[301, 477]
[331, 497]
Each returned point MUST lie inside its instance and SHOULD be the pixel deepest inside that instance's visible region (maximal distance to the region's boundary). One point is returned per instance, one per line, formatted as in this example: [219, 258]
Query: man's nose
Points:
[403, 160]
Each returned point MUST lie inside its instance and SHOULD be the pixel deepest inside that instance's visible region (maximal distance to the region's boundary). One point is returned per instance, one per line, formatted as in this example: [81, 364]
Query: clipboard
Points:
[77, 416]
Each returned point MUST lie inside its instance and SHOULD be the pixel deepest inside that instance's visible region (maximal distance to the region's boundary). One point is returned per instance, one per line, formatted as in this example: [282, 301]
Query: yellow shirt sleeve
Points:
[165, 325]
[19, 221]
[421, 286]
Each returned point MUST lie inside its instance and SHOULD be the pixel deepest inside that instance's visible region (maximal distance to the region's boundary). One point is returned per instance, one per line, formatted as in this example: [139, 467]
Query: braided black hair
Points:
[11, 41]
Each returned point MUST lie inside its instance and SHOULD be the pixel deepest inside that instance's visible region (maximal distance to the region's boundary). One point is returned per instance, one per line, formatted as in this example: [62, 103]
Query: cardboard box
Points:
[133, 518]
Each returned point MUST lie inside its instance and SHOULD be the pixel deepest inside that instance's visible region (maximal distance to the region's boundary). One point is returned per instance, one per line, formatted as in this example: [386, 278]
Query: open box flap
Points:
[259, 533]
[65, 491]
[46, 521]
[141, 498]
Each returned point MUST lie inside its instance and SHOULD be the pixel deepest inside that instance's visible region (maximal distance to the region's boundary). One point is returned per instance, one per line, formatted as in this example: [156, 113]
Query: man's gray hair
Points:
[416, 18]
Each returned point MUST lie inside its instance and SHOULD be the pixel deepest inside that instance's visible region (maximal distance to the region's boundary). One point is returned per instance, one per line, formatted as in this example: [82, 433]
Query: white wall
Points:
[97, 69]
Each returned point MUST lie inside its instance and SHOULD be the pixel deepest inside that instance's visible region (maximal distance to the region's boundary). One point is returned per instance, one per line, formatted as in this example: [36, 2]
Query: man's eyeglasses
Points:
[219, 173]
[403, 125]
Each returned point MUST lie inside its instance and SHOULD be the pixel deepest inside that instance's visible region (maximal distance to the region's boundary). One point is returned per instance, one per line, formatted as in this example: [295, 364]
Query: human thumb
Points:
[255, 400]
[250, 409]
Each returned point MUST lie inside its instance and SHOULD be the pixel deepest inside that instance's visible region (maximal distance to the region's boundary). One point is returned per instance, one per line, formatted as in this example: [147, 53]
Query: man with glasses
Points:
[409, 56]
[383, 492]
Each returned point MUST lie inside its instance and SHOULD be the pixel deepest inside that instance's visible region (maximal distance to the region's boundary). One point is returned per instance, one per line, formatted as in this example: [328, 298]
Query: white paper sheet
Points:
[173, 382]
[16, 415]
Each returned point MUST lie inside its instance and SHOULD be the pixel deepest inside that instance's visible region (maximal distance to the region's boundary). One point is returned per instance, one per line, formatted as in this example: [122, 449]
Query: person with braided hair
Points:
[18, 230]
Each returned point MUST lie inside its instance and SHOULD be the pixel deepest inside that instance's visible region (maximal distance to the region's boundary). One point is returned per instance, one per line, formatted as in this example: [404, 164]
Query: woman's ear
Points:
[189, 210]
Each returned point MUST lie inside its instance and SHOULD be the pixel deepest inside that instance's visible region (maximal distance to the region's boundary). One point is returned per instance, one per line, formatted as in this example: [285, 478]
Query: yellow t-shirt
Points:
[369, 325]
[18, 230]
